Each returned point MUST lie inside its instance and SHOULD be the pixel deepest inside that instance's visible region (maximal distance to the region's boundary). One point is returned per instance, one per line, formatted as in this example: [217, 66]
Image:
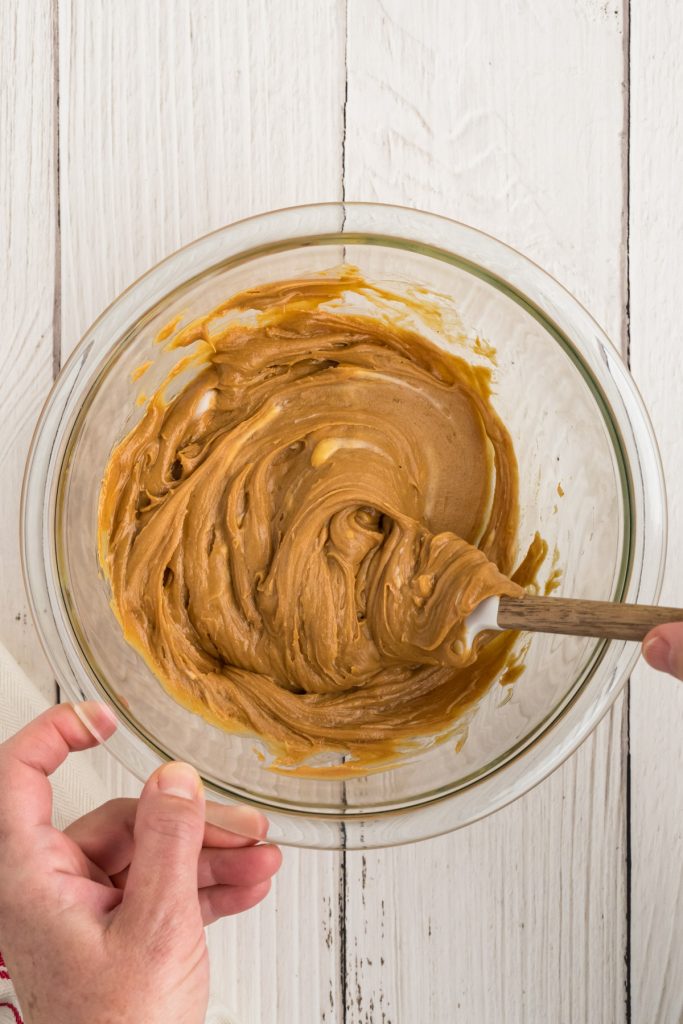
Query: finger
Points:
[244, 823]
[663, 649]
[242, 867]
[223, 900]
[37, 750]
[106, 834]
[89, 893]
[168, 835]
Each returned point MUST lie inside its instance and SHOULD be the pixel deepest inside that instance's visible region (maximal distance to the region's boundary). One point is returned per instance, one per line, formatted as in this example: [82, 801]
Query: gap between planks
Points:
[57, 288]
[626, 350]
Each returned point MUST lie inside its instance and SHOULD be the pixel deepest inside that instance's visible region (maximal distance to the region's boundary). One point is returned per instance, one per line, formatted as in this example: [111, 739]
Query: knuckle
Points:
[167, 927]
[37, 902]
[172, 825]
[7, 764]
[117, 803]
[13, 858]
[162, 946]
[117, 808]
[159, 938]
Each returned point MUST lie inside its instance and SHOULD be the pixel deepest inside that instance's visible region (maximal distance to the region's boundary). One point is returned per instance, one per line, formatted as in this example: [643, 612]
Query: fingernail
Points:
[242, 821]
[179, 779]
[657, 653]
[97, 717]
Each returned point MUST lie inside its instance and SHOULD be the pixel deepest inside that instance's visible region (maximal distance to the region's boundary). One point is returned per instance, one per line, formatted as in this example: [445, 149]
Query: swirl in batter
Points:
[294, 539]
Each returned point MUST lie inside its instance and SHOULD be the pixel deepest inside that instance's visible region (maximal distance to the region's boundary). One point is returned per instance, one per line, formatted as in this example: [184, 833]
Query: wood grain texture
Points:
[176, 118]
[656, 254]
[509, 117]
[573, 617]
[504, 920]
[27, 272]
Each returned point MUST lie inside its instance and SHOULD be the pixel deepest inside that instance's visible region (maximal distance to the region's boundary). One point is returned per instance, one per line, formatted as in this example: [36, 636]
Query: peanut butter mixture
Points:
[294, 539]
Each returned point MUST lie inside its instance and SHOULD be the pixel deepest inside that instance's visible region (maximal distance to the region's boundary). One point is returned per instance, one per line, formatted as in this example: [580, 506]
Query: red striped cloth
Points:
[9, 1007]
[16, 1016]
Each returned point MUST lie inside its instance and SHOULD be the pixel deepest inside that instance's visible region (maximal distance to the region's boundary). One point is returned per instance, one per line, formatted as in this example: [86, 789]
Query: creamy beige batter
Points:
[294, 539]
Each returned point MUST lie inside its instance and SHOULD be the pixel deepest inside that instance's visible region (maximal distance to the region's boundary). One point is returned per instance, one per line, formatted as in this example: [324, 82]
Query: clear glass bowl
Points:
[576, 421]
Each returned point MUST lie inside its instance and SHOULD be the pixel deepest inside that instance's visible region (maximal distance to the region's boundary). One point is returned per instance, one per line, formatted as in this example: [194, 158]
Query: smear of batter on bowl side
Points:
[294, 539]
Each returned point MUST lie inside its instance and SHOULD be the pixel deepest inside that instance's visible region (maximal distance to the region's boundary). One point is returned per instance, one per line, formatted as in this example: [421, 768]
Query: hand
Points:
[104, 922]
[663, 649]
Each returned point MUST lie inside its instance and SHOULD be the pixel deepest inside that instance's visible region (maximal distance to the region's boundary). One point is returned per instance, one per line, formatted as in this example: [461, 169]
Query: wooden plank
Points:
[516, 918]
[27, 271]
[509, 117]
[176, 119]
[206, 112]
[656, 230]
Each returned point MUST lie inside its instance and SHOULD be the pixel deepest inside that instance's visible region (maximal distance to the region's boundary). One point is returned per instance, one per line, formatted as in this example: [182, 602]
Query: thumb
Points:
[168, 836]
[663, 648]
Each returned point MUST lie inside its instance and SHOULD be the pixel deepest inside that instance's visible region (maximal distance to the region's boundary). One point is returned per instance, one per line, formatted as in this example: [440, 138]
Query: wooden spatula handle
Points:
[574, 617]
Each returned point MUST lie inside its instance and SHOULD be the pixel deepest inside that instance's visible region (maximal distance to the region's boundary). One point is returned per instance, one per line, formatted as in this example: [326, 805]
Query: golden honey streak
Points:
[294, 539]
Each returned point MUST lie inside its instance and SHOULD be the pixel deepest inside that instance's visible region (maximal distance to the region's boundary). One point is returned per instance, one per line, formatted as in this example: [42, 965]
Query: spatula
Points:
[568, 616]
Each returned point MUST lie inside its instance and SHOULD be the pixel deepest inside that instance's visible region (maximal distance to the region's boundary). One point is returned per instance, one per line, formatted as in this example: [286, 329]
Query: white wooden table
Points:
[129, 127]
